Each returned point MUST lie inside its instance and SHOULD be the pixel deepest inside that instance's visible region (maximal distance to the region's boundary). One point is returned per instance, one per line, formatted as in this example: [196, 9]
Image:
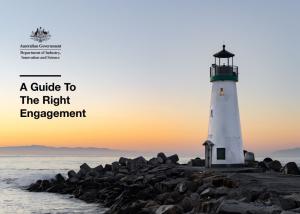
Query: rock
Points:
[167, 186]
[89, 196]
[162, 156]
[291, 168]
[73, 180]
[137, 163]
[169, 209]
[123, 161]
[275, 165]
[173, 158]
[71, 174]
[236, 207]
[123, 170]
[115, 166]
[84, 169]
[267, 160]
[161, 198]
[207, 192]
[217, 182]
[297, 210]
[194, 197]
[59, 178]
[99, 169]
[45, 184]
[263, 165]
[288, 212]
[288, 202]
[186, 204]
[196, 162]
[154, 161]
[181, 187]
[55, 188]
[107, 167]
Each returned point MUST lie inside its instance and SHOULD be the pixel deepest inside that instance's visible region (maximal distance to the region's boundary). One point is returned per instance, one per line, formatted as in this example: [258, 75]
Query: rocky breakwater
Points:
[162, 186]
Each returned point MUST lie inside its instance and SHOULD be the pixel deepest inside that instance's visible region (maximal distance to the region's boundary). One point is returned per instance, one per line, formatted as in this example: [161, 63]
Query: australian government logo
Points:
[41, 48]
[40, 35]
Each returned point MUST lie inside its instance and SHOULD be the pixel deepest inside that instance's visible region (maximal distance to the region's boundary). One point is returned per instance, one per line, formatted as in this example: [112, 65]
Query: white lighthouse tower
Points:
[224, 147]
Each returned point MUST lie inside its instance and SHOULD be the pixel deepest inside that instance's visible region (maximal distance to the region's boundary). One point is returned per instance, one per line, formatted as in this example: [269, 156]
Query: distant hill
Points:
[295, 152]
[48, 150]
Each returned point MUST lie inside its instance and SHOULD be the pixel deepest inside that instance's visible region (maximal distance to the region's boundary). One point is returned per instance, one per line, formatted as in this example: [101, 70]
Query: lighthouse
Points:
[224, 146]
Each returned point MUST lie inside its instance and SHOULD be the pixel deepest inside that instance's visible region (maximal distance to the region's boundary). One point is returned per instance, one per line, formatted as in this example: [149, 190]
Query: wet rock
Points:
[56, 188]
[169, 209]
[291, 168]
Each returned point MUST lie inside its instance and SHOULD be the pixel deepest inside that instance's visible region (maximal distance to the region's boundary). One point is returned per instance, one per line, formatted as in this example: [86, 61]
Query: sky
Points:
[142, 71]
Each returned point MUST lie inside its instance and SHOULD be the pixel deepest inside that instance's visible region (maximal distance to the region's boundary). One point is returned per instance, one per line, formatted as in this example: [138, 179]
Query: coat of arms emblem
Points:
[40, 35]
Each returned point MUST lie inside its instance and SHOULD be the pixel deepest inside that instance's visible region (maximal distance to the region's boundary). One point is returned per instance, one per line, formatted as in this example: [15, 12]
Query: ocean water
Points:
[17, 172]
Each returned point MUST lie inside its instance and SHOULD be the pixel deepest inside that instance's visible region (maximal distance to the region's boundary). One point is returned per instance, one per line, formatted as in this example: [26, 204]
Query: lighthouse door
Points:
[208, 153]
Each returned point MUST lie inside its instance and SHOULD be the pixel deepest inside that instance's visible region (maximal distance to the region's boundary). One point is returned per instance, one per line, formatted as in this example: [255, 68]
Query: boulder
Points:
[186, 204]
[115, 166]
[123, 161]
[99, 169]
[169, 209]
[291, 168]
[267, 160]
[71, 174]
[154, 162]
[275, 166]
[288, 202]
[172, 159]
[45, 184]
[137, 163]
[162, 156]
[107, 167]
[84, 169]
[59, 178]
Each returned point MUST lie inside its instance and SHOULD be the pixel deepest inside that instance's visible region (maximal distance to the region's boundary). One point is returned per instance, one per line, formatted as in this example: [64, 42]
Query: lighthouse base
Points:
[227, 165]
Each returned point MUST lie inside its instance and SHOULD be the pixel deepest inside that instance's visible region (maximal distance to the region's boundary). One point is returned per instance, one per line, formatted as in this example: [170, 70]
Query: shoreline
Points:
[161, 185]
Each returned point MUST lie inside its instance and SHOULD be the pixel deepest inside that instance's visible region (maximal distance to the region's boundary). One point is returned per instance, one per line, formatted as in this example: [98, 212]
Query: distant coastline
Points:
[49, 150]
[293, 152]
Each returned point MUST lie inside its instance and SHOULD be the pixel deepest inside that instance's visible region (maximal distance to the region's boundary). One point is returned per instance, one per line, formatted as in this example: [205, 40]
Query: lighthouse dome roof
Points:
[223, 53]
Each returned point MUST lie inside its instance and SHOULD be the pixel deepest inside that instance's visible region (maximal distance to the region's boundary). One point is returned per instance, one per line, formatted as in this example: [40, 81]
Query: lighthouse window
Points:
[211, 113]
[221, 92]
[220, 153]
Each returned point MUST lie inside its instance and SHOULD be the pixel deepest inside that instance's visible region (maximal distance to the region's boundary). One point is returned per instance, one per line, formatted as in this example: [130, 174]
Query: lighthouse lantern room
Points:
[224, 146]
